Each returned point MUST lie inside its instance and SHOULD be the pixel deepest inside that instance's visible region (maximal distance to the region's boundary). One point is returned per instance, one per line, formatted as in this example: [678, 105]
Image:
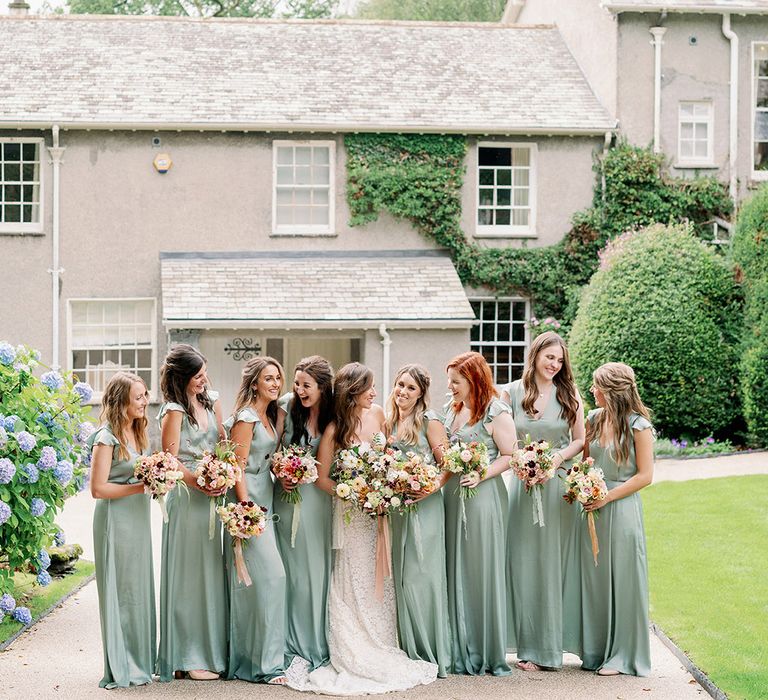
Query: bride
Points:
[362, 630]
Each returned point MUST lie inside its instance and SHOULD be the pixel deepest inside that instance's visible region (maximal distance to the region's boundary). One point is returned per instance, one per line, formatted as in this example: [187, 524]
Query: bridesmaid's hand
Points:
[214, 493]
[591, 507]
[470, 480]
[287, 485]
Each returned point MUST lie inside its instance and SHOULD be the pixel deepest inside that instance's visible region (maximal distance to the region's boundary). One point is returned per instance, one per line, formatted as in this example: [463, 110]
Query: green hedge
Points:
[666, 304]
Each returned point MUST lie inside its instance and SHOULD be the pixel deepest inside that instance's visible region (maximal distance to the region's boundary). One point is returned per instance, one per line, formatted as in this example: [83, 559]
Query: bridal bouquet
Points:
[296, 464]
[218, 471]
[466, 458]
[534, 465]
[585, 483]
[243, 520]
[159, 472]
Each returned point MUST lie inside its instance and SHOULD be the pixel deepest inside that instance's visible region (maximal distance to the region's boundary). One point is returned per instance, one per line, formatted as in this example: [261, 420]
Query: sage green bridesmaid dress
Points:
[193, 594]
[307, 561]
[123, 551]
[418, 569]
[534, 553]
[477, 598]
[614, 603]
[257, 612]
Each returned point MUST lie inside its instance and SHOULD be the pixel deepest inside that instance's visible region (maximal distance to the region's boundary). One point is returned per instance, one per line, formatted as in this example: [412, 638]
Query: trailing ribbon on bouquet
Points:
[212, 518]
[593, 535]
[383, 555]
[295, 522]
[337, 528]
[240, 567]
[538, 511]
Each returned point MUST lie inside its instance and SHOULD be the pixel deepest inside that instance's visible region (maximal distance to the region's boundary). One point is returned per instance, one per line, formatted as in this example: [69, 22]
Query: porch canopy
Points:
[313, 290]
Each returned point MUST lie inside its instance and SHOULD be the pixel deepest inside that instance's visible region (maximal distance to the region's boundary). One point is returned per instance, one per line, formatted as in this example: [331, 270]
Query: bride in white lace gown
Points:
[362, 630]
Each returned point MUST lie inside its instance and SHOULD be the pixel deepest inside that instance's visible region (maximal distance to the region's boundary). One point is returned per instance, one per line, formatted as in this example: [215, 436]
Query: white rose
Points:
[466, 456]
[395, 502]
[343, 490]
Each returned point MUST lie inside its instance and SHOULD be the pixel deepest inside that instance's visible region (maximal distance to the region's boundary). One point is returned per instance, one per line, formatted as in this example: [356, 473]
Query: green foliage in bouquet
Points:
[750, 253]
[667, 304]
[43, 427]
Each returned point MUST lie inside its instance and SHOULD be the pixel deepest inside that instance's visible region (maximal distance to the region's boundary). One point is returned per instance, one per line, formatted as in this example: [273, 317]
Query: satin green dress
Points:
[477, 597]
[307, 562]
[123, 551]
[257, 612]
[614, 605]
[418, 569]
[193, 594]
[534, 553]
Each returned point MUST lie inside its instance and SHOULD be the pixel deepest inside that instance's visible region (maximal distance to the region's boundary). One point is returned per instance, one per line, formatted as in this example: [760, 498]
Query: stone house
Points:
[176, 179]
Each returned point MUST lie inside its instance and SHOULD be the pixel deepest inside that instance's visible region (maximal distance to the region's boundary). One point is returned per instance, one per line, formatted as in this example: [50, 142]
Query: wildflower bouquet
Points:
[243, 520]
[298, 465]
[585, 483]
[218, 471]
[413, 476]
[534, 465]
[160, 472]
[465, 458]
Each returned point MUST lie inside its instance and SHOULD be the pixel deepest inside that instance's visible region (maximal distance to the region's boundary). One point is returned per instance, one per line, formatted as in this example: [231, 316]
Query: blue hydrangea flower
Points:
[3, 437]
[43, 559]
[28, 474]
[53, 380]
[84, 431]
[5, 512]
[46, 420]
[60, 538]
[7, 353]
[27, 441]
[9, 423]
[22, 615]
[43, 578]
[7, 603]
[47, 458]
[83, 480]
[63, 472]
[7, 470]
[85, 391]
[38, 506]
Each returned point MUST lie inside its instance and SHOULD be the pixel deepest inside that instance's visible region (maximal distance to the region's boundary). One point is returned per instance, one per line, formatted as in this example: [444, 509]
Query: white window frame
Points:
[19, 226]
[753, 109]
[153, 388]
[509, 231]
[508, 343]
[709, 120]
[306, 229]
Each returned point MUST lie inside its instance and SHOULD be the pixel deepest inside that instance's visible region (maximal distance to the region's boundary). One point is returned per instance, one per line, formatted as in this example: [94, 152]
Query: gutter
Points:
[658, 33]
[56, 151]
[703, 8]
[321, 324]
[733, 123]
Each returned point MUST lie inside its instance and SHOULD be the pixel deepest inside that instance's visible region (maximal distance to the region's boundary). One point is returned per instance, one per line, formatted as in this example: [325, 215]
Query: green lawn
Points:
[708, 560]
[42, 598]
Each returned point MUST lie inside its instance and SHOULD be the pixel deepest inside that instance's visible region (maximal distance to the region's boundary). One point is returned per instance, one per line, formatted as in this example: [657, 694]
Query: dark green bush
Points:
[667, 305]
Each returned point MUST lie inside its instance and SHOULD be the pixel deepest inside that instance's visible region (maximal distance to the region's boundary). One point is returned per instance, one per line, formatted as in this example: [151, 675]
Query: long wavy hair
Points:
[565, 386]
[350, 381]
[473, 367]
[616, 382]
[411, 426]
[248, 391]
[181, 364]
[321, 371]
[114, 411]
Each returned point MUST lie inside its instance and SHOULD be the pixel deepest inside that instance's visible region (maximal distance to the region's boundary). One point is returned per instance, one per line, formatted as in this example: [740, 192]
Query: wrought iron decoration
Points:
[243, 349]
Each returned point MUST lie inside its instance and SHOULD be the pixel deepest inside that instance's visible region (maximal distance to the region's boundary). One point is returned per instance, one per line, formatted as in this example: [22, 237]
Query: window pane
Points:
[504, 177]
[503, 197]
[12, 213]
[303, 175]
[686, 109]
[762, 93]
[488, 334]
[486, 197]
[284, 216]
[701, 149]
[519, 311]
[504, 310]
[486, 177]
[284, 195]
[29, 151]
[489, 311]
[518, 354]
[502, 332]
[320, 216]
[320, 175]
[686, 149]
[485, 217]
[12, 193]
[502, 354]
[12, 152]
[701, 132]
[474, 334]
[302, 196]
[284, 155]
[28, 193]
[761, 156]
[518, 332]
[285, 176]
[502, 375]
[502, 217]
[761, 126]
[303, 155]
[686, 131]
[521, 156]
[494, 156]
[320, 196]
[762, 67]
[12, 172]
[702, 110]
[521, 198]
[520, 217]
[522, 177]
[476, 307]
[302, 215]
[321, 155]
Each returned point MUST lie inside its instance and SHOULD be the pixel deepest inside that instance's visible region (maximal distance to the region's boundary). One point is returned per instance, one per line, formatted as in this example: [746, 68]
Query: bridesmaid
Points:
[193, 595]
[306, 414]
[476, 572]
[546, 406]
[418, 538]
[122, 536]
[257, 612]
[619, 438]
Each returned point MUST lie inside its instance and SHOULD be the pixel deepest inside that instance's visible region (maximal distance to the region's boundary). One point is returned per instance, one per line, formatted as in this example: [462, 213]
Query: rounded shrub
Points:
[666, 304]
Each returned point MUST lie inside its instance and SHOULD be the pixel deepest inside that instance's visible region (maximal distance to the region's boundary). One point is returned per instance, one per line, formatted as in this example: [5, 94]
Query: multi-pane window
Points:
[501, 336]
[108, 335]
[20, 185]
[506, 189]
[695, 134]
[760, 104]
[303, 186]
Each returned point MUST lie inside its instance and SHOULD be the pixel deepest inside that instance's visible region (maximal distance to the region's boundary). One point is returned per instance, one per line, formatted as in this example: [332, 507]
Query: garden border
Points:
[4, 645]
[711, 456]
[701, 677]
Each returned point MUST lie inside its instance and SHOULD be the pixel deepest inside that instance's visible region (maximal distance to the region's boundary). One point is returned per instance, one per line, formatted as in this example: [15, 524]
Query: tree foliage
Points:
[433, 10]
[299, 9]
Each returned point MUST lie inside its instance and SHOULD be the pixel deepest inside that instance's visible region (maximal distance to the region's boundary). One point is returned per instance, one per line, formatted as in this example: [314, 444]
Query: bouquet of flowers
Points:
[466, 458]
[218, 471]
[413, 476]
[160, 472]
[243, 520]
[534, 465]
[585, 483]
[296, 464]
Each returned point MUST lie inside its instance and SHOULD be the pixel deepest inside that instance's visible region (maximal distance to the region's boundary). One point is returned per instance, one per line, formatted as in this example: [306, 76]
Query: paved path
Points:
[60, 657]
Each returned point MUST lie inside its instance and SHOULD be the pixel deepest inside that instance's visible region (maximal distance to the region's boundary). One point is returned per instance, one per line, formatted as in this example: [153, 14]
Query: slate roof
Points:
[280, 75]
[287, 290]
[718, 6]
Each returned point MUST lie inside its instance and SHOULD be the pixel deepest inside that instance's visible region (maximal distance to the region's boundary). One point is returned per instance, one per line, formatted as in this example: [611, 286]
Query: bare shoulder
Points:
[376, 411]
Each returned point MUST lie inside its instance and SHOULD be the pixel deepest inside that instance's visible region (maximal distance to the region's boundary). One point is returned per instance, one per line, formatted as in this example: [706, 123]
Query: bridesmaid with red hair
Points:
[477, 602]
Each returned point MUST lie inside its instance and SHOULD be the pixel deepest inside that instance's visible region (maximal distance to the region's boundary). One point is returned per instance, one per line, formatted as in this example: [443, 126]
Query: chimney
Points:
[18, 8]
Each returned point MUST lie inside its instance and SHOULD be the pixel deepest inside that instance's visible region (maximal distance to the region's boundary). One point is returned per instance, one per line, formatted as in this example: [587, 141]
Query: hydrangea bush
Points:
[44, 423]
